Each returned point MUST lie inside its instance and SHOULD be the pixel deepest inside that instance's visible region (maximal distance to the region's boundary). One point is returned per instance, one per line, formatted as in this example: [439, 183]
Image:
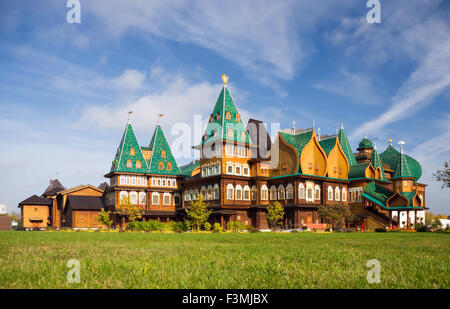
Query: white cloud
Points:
[129, 80]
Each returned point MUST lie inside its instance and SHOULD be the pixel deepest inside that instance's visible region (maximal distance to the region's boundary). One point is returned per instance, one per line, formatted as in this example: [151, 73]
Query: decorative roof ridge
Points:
[326, 137]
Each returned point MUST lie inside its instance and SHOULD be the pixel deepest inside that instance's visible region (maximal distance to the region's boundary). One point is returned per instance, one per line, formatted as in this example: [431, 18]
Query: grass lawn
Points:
[259, 260]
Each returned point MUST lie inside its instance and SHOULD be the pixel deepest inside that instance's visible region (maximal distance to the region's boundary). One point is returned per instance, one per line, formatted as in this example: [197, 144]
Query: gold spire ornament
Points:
[224, 79]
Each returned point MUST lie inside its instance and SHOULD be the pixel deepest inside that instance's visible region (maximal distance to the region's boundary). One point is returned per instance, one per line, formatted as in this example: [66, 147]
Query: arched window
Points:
[317, 192]
[301, 191]
[169, 166]
[246, 193]
[273, 193]
[138, 164]
[230, 192]
[160, 165]
[123, 196]
[216, 192]
[264, 193]
[155, 198]
[344, 194]
[132, 152]
[238, 118]
[203, 192]
[209, 193]
[281, 192]
[290, 191]
[330, 193]
[238, 192]
[228, 116]
[166, 198]
[254, 192]
[163, 153]
[129, 164]
[337, 194]
[142, 198]
[133, 197]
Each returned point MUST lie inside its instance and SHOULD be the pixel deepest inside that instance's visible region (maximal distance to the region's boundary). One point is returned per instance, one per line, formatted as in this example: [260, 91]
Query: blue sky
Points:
[65, 89]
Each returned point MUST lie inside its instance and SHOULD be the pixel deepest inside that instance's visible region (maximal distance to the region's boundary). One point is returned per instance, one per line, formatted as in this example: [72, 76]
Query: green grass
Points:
[260, 260]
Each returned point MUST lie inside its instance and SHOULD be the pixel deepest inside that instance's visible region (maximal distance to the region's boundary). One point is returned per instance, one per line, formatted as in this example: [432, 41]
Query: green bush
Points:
[207, 226]
[217, 228]
[179, 227]
[235, 226]
[420, 227]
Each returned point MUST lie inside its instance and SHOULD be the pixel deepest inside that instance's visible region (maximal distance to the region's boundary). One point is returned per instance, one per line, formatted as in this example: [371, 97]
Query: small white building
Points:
[445, 223]
[3, 209]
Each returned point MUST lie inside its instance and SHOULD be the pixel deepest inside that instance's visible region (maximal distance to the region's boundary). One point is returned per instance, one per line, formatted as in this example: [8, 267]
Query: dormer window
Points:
[160, 165]
[163, 154]
[132, 152]
[238, 118]
[211, 118]
[129, 164]
[217, 116]
[138, 164]
[228, 116]
[169, 166]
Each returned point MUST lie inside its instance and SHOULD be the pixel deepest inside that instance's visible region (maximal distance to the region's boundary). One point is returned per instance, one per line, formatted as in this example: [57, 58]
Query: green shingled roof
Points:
[377, 192]
[187, 170]
[390, 157]
[402, 169]
[158, 144]
[123, 154]
[358, 170]
[298, 141]
[345, 145]
[409, 196]
[328, 144]
[217, 128]
[376, 162]
[365, 143]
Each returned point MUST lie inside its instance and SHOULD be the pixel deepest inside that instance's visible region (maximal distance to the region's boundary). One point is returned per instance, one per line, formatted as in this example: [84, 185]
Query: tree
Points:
[443, 175]
[198, 213]
[104, 217]
[274, 215]
[437, 224]
[129, 210]
[336, 215]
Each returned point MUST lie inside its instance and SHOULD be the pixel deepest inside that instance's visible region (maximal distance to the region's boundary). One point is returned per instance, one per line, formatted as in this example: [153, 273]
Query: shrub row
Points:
[153, 225]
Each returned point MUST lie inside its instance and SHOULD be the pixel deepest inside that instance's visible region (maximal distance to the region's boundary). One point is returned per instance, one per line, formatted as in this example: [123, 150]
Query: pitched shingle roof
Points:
[54, 187]
[36, 200]
[158, 144]
[346, 148]
[81, 202]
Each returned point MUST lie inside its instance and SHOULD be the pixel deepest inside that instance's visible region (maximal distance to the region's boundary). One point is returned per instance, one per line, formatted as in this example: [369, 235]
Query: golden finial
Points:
[390, 141]
[224, 79]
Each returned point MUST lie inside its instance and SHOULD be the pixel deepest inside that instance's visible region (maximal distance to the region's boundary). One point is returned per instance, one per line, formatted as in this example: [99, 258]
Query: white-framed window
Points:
[217, 169]
[142, 198]
[317, 192]
[186, 196]
[122, 180]
[153, 181]
[123, 195]
[273, 193]
[301, 191]
[337, 194]
[194, 193]
[281, 192]
[155, 198]
[230, 192]
[133, 197]
[216, 192]
[158, 181]
[330, 193]
[254, 193]
[230, 169]
[264, 193]
[209, 193]
[133, 180]
[139, 181]
[289, 191]
[246, 193]
[344, 194]
[245, 170]
[237, 169]
[128, 177]
[166, 198]
[238, 192]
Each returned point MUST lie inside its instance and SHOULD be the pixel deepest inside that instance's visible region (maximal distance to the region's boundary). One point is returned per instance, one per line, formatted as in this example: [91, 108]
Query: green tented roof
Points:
[345, 145]
[187, 170]
[378, 192]
[328, 144]
[123, 154]
[402, 169]
[217, 129]
[358, 170]
[298, 141]
[158, 144]
[390, 157]
[376, 162]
